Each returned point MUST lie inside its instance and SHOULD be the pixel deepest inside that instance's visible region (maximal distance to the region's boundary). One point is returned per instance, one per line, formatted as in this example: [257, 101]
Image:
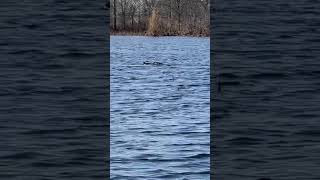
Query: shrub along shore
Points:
[128, 33]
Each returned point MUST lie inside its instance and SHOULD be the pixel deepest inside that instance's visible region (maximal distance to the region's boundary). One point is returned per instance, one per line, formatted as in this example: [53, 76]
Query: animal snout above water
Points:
[152, 63]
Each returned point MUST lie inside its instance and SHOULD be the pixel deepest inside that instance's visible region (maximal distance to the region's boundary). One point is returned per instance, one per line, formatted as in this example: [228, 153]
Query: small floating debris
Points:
[181, 86]
[152, 63]
[147, 62]
[157, 63]
[172, 79]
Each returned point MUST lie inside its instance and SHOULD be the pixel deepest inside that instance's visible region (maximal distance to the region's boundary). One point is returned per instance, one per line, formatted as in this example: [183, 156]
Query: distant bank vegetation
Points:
[160, 17]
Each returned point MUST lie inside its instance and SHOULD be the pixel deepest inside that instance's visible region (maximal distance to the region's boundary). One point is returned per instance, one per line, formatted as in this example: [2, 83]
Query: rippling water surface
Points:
[160, 113]
[266, 115]
[53, 90]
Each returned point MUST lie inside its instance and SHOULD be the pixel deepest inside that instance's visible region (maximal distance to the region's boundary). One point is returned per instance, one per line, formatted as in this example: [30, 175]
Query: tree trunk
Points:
[179, 22]
[170, 21]
[179, 15]
[124, 21]
[132, 19]
[139, 20]
[114, 15]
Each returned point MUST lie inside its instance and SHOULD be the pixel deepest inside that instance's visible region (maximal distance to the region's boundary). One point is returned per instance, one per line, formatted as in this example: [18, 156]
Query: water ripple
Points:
[159, 111]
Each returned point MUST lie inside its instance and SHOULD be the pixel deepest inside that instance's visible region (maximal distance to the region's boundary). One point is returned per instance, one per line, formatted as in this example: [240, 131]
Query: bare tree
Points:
[123, 6]
[150, 5]
[132, 12]
[176, 17]
[139, 9]
[115, 15]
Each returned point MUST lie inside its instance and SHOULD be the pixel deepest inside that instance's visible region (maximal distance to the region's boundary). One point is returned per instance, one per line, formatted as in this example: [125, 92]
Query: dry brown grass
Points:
[155, 25]
[127, 33]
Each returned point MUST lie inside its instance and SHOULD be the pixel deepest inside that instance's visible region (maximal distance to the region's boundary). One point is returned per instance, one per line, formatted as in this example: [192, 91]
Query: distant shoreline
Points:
[126, 33]
[160, 18]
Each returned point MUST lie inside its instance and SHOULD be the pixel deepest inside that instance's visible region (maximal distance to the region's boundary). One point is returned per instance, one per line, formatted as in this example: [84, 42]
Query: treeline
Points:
[160, 17]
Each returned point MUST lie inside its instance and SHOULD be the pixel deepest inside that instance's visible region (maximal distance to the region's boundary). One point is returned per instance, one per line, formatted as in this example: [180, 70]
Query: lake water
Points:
[160, 125]
[266, 116]
[53, 90]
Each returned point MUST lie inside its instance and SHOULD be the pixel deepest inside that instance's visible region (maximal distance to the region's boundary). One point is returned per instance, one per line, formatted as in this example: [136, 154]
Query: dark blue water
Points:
[160, 113]
[53, 90]
[266, 116]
